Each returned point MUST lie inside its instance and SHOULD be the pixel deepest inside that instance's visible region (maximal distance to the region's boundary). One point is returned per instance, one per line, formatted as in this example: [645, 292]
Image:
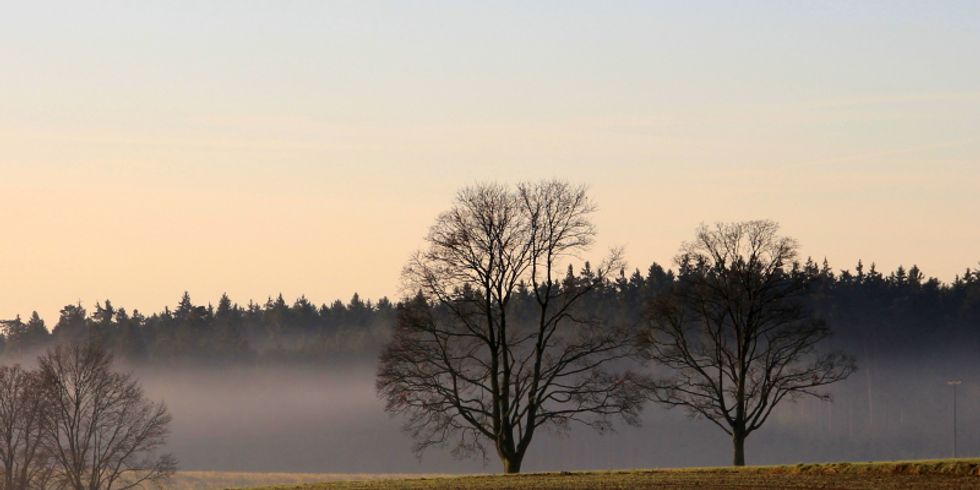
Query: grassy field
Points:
[933, 474]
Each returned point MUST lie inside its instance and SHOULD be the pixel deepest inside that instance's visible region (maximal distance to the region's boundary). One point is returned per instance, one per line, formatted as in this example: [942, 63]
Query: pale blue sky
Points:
[152, 147]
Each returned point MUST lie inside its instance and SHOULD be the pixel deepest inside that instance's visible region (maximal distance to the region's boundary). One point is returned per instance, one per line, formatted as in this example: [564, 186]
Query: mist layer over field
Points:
[328, 419]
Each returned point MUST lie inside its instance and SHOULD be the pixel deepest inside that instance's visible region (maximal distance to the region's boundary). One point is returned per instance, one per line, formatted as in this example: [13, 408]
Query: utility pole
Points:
[954, 383]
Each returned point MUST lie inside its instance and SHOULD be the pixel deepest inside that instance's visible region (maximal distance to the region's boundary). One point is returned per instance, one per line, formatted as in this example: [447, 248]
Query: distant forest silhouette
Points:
[900, 315]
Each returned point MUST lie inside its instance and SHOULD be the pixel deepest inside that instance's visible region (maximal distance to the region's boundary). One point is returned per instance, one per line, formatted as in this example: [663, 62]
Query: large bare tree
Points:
[103, 434]
[493, 346]
[23, 415]
[734, 332]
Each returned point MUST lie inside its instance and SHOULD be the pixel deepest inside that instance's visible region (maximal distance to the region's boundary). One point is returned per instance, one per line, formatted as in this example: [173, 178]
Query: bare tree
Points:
[23, 415]
[734, 333]
[103, 434]
[493, 345]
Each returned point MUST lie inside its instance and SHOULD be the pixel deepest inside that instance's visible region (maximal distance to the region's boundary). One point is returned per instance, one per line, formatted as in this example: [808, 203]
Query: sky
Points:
[257, 148]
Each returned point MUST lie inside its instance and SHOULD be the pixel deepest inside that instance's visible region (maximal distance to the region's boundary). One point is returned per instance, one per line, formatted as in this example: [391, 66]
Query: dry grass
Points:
[932, 474]
[211, 480]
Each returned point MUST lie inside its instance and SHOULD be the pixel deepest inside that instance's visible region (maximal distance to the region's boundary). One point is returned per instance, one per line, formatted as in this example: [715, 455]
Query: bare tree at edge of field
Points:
[734, 331]
[102, 433]
[492, 347]
[23, 416]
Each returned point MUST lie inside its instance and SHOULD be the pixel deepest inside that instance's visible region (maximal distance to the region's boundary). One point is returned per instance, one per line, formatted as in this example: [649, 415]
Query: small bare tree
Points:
[734, 332]
[23, 415]
[103, 434]
[493, 347]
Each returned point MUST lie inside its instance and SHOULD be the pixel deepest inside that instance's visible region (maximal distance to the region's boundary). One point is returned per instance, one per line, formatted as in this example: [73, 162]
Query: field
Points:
[933, 474]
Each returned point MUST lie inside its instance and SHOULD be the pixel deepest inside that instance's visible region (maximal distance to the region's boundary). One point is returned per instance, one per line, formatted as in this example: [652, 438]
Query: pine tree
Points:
[72, 324]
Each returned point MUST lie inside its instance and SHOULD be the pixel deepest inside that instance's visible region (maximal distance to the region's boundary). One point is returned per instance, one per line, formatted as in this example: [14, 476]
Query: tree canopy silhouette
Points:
[494, 345]
[734, 331]
[101, 432]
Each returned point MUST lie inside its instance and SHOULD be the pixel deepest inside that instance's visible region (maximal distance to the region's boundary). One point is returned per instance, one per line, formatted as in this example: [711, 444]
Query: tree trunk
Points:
[512, 464]
[739, 441]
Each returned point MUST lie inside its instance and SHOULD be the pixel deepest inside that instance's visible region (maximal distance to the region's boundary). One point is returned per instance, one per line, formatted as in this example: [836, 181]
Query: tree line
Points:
[228, 332]
[888, 314]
